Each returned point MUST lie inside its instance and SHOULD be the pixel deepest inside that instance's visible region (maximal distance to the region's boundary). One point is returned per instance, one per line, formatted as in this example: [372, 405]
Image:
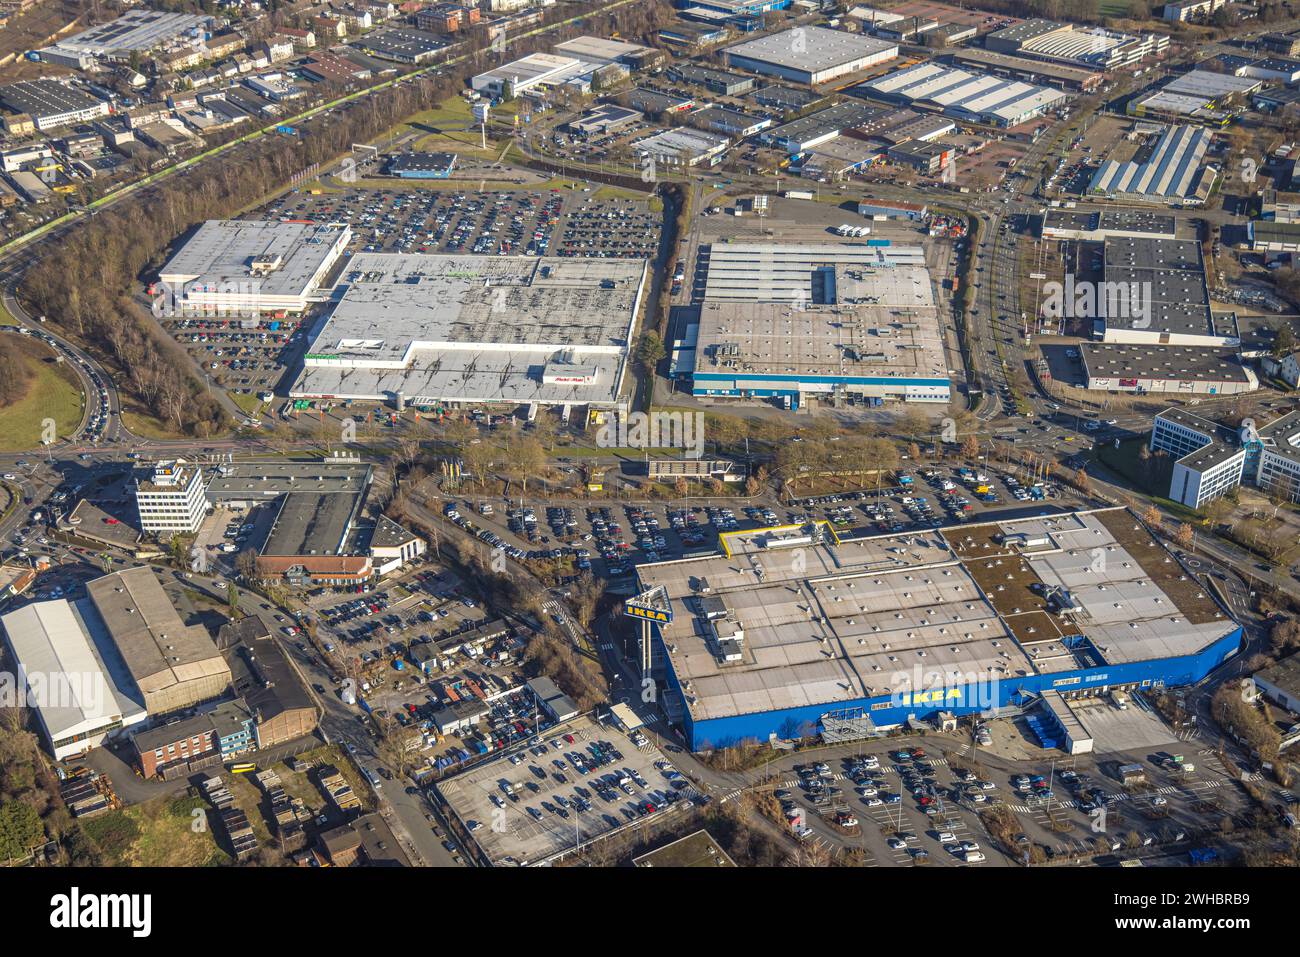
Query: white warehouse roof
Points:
[597, 49]
[1082, 45]
[477, 329]
[1169, 171]
[1208, 85]
[528, 71]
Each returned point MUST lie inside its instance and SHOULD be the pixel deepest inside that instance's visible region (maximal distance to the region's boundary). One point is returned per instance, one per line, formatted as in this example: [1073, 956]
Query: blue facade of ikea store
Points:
[714, 383]
[887, 711]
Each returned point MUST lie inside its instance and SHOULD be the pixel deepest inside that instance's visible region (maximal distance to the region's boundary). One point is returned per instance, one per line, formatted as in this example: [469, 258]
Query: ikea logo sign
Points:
[649, 614]
[938, 696]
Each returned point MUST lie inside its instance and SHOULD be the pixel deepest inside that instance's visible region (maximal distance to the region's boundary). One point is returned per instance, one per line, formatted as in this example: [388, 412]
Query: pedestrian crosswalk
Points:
[840, 776]
[1187, 791]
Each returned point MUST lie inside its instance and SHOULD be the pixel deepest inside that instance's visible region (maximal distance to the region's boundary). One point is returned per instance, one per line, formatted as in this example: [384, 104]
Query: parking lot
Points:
[903, 807]
[243, 355]
[373, 624]
[610, 540]
[250, 355]
[584, 779]
[921, 804]
[496, 223]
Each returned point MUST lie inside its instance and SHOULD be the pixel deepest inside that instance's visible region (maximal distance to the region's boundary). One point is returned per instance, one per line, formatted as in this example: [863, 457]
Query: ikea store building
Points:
[794, 629]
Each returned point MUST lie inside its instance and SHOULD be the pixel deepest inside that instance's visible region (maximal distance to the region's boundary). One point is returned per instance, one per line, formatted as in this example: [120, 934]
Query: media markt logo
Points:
[75, 910]
[682, 431]
[1081, 299]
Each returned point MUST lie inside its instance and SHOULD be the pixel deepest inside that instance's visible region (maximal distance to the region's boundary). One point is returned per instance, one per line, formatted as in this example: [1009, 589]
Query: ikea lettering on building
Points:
[663, 616]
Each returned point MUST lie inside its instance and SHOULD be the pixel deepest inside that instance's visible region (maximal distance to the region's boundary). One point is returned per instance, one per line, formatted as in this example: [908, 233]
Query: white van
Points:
[973, 857]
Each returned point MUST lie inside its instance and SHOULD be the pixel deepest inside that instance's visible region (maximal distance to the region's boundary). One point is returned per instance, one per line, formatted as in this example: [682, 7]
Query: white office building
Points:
[172, 500]
[1211, 459]
[1208, 459]
[535, 70]
[1278, 472]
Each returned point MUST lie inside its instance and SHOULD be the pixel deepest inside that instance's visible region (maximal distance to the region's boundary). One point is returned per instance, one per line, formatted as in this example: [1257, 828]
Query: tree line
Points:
[86, 281]
[15, 372]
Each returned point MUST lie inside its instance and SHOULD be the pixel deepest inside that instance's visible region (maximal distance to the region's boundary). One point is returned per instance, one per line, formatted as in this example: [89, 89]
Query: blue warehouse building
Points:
[422, 165]
[838, 322]
[738, 8]
[796, 626]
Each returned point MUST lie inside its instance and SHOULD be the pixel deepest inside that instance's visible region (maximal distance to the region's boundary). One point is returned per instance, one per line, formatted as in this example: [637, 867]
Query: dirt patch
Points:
[40, 26]
[947, 13]
[1006, 580]
[1170, 577]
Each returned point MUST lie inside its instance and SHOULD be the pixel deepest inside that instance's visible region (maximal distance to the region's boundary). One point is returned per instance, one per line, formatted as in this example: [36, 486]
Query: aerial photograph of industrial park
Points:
[491, 434]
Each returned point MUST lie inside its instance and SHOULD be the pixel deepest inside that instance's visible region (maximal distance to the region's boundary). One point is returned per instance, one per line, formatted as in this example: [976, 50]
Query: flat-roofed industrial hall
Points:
[900, 627]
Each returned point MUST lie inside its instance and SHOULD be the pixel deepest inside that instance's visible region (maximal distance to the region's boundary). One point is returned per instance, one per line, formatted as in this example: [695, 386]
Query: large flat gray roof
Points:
[311, 523]
[245, 481]
[395, 302]
[1170, 276]
[1103, 224]
[1208, 85]
[159, 649]
[46, 97]
[1179, 363]
[1042, 68]
[884, 600]
[825, 309]
[50, 639]
[223, 251]
[833, 119]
